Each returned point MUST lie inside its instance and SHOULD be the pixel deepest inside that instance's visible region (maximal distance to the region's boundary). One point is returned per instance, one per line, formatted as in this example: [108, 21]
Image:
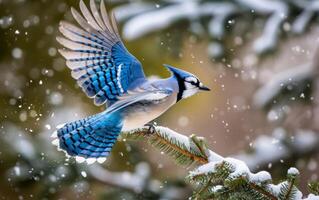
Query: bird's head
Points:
[188, 83]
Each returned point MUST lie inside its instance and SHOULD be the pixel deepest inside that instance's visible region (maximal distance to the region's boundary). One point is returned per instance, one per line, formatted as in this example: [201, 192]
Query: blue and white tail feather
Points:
[90, 139]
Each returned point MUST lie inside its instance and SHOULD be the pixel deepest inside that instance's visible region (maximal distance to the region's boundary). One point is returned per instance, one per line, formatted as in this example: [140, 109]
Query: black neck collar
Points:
[181, 86]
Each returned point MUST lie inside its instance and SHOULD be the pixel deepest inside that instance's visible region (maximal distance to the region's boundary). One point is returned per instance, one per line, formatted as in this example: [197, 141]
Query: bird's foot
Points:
[151, 127]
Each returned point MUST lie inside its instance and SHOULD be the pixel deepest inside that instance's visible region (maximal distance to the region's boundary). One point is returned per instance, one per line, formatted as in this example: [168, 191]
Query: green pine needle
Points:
[181, 148]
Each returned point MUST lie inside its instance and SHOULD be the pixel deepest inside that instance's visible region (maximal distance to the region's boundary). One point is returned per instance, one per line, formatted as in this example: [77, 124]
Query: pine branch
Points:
[143, 18]
[218, 177]
[184, 150]
[314, 187]
[287, 147]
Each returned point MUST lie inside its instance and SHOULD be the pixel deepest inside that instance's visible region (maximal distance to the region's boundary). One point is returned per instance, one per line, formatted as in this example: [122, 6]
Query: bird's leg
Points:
[151, 127]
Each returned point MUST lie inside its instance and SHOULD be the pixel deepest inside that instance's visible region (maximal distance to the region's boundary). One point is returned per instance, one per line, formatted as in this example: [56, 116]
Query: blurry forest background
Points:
[260, 59]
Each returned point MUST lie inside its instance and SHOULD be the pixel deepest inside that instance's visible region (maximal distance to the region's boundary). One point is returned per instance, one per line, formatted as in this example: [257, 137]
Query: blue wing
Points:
[99, 61]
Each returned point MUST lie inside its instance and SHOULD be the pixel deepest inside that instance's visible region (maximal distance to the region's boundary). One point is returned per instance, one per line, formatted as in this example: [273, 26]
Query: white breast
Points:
[139, 120]
[138, 117]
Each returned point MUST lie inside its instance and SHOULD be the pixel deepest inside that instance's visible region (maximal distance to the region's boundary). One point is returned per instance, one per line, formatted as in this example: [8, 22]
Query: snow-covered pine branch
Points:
[296, 84]
[185, 150]
[141, 18]
[218, 177]
[295, 80]
[268, 150]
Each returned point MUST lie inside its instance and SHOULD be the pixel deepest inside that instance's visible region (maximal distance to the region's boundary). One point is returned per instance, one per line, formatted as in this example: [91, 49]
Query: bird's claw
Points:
[151, 127]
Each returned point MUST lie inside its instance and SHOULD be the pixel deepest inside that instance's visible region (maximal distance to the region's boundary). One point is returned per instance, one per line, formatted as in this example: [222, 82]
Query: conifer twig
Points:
[215, 171]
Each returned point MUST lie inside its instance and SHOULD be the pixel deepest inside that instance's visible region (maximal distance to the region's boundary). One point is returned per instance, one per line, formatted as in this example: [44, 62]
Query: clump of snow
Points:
[312, 197]
[204, 169]
[213, 157]
[238, 169]
[293, 171]
[241, 169]
[172, 135]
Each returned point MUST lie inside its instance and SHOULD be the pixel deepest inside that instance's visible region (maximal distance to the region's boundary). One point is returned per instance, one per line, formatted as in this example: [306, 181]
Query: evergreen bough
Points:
[217, 177]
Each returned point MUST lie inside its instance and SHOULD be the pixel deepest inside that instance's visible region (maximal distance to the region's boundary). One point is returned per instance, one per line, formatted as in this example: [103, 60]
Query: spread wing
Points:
[99, 61]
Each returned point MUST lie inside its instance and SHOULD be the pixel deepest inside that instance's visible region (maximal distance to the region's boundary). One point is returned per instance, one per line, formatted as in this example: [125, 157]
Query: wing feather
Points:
[87, 15]
[79, 35]
[105, 17]
[96, 15]
[137, 96]
[94, 52]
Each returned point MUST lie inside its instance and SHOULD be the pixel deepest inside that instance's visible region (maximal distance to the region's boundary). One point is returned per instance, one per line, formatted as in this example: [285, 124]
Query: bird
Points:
[109, 74]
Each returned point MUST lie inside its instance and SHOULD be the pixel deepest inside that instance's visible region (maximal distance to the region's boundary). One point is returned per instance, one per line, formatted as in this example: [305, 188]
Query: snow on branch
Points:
[142, 17]
[278, 12]
[185, 150]
[218, 177]
[309, 10]
[267, 150]
[138, 181]
[295, 76]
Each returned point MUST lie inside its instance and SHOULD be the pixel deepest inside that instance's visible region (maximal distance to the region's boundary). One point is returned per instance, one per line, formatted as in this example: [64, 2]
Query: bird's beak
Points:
[203, 87]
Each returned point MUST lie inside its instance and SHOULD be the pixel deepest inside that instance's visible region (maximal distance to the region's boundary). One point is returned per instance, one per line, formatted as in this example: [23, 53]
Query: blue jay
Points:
[109, 74]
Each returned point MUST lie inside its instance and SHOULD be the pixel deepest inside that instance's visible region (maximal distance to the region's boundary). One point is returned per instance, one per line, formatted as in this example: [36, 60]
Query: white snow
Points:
[17, 53]
[279, 81]
[127, 11]
[56, 98]
[293, 171]
[164, 17]
[20, 141]
[269, 149]
[170, 134]
[84, 174]
[265, 151]
[239, 169]
[135, 181]
[278, 10]
[301, 22]
[312, 197]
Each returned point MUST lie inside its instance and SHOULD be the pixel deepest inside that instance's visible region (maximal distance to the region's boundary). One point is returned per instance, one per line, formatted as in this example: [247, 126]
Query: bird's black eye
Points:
[192, 81]
[196, 83]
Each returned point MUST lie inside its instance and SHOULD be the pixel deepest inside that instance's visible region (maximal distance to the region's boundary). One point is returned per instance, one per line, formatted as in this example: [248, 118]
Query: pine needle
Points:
[181, 148]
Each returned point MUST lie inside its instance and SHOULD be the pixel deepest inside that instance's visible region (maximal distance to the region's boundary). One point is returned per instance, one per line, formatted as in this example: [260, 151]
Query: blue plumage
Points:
[107, 72]
[106, 66]
[90, 137]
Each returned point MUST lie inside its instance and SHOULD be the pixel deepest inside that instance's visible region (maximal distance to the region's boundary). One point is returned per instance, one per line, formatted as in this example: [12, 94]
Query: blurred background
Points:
[259, 58]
